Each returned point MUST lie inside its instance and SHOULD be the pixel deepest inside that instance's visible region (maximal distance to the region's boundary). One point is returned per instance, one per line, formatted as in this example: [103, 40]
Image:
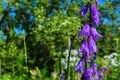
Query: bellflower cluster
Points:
[88, 49]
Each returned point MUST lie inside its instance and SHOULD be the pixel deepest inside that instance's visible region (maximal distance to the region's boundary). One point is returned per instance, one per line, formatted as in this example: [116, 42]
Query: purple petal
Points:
[92, 46]
[95, 14]
[96, 78]
[84, 10]
[85, 31]
[94, 33]
[101, 77]
[62, 76]
[84, 48]
[88, 74]
[80, 66]
[94, 67]
[102, 69]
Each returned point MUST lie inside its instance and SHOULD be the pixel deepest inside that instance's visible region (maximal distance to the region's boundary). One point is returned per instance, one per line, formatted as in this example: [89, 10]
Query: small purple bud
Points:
[102, 69]
[97, 2]
[94, 65]
[84, 10]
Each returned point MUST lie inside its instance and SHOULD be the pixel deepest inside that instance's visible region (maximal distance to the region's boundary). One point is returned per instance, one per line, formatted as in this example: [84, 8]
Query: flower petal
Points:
[85, 31]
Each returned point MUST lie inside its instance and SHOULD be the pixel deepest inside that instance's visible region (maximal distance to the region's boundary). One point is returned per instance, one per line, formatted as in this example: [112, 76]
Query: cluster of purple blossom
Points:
[88, 49]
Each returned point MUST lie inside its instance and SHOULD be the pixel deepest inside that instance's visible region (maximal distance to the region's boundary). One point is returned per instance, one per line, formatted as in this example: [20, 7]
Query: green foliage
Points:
[36, 54]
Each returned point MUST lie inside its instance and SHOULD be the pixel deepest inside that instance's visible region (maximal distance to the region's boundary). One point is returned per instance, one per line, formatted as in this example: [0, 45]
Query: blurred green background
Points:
[35, 38]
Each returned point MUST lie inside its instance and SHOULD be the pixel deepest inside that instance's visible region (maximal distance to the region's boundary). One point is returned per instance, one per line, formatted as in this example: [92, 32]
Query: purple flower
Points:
[94, 67]
[85, 51]
[88, 48]
[84, 48]
[94, 33]
[95, 14]
[84, 10]
[95, 72]
[101, 77]
[96, 2]
[92, 46]
[62, 75]
[80, 66]
[88, 74]
[85, 31]
[102, 69]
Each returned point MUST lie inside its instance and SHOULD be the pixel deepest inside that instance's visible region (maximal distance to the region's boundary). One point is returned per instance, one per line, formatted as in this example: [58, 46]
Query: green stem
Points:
[0, 68]
[68, 62]
[60, 64]
[25, 49]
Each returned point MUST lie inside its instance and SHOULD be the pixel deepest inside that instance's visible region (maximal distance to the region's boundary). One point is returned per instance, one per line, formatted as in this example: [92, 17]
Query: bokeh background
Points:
[35, 38]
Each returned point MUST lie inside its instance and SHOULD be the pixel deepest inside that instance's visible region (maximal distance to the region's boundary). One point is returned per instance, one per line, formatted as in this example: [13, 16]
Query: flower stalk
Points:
[68, 62]
[88, 49]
